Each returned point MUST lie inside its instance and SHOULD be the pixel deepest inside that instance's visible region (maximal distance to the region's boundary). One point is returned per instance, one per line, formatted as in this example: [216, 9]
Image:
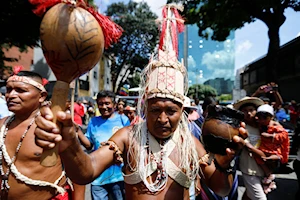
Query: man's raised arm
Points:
[80, 167]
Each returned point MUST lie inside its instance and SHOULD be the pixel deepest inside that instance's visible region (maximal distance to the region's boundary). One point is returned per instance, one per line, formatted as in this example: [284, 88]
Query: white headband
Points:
[24, 79]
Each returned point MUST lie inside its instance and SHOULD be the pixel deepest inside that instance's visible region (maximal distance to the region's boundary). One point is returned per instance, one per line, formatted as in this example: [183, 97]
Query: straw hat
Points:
[251, 100]
[187, 103]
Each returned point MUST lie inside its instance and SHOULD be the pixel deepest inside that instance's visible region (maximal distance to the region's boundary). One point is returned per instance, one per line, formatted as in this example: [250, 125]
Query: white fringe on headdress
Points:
[188, 155]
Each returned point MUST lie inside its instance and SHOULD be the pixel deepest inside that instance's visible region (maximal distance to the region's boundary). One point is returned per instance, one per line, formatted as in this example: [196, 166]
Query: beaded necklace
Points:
[160, 161]
[4, 184]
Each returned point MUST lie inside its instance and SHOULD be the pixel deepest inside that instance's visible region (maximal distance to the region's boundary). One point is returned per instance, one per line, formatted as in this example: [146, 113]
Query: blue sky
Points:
[251, 41]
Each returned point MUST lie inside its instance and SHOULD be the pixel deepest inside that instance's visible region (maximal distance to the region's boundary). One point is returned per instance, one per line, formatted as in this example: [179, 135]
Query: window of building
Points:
[84, 85]
[253, 77]
[245, 79]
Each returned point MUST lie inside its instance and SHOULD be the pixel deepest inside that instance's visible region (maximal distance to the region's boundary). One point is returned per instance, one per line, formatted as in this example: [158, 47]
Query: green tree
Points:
[225, 97]
[138, 40]
[201, 91]
[221, 17]
[134, 80]
[20, 27]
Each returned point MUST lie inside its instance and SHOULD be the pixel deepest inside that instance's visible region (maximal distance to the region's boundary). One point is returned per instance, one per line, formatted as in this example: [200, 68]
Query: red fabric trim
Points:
[111, 31]
[43, 5]
[65, 196]
[163, 28]
[175, 26]
[17, 69]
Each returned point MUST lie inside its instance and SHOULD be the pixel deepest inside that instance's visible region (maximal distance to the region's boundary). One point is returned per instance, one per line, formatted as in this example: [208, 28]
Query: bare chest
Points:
[22, 147]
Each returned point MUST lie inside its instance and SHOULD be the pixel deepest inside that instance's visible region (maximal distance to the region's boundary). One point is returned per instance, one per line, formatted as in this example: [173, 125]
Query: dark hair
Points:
[208, 101]
[30, 74]
[106, 93]
[122, 100]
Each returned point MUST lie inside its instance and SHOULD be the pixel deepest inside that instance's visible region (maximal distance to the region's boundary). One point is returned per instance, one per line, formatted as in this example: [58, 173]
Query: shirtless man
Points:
[21, 172]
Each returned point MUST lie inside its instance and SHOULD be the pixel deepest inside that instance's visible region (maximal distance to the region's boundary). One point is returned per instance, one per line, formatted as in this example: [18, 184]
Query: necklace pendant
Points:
[4, 183]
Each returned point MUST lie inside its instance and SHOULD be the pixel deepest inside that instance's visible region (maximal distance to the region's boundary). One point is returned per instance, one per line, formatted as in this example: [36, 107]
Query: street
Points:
[286, 187]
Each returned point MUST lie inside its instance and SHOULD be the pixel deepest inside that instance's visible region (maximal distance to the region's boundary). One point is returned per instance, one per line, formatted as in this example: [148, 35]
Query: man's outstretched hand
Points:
[49, 134]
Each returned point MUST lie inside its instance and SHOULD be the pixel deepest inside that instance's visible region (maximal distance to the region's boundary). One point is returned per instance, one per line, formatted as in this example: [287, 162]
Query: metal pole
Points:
[185, 46]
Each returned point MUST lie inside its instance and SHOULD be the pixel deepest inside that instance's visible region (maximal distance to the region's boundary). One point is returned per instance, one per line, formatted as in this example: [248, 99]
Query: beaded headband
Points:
[166, 75]
[27, 80]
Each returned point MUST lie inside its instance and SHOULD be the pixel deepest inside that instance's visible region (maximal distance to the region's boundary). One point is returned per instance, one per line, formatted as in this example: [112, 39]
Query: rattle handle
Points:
[59, 98]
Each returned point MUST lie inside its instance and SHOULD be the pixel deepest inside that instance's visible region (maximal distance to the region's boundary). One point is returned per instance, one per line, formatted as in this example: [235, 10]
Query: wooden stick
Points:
[59, 98]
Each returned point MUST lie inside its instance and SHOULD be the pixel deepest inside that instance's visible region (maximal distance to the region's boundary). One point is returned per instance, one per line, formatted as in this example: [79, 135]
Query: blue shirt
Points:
[100, 130]
[282, 115]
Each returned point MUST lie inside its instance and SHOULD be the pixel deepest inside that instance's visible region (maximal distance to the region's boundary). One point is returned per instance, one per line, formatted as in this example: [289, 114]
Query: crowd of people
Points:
[149, 150]
[266, 147]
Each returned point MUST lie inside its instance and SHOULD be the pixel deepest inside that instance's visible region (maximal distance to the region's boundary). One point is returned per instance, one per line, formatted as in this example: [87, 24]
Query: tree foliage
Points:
[201, 91]
[138, 40]
[20, 27]
[217, 18]
[225, 97]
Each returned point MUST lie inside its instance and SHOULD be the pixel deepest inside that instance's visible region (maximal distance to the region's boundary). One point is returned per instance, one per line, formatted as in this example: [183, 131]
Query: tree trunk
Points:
[122, 80]
[272, 56]
[274, 22]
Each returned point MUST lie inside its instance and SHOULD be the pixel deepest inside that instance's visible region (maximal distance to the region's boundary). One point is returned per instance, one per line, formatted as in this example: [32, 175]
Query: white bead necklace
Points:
[4, 176]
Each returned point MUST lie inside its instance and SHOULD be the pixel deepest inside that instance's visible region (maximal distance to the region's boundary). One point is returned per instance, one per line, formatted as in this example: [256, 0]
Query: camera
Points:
[268, 89]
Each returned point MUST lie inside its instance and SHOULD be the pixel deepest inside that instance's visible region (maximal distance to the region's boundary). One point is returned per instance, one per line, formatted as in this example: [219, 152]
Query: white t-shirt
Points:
[248, 164]
[4, 112]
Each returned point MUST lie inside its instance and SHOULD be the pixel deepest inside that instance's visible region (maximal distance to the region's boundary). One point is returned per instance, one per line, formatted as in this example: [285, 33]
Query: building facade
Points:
[24, 59]
[208, 62]
[255, 74]
[87, 84]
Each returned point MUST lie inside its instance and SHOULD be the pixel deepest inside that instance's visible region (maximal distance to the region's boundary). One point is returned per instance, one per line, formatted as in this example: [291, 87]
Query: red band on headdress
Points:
[176, 25]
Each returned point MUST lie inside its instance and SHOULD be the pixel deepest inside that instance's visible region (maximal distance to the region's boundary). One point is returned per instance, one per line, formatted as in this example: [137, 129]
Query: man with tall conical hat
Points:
[161, 157]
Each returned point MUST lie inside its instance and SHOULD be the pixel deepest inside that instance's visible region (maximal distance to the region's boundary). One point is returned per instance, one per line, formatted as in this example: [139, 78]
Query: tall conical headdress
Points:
[165, 75]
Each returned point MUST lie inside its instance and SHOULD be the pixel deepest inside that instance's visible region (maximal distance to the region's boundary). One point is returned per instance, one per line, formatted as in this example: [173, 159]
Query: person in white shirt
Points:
[4, 112]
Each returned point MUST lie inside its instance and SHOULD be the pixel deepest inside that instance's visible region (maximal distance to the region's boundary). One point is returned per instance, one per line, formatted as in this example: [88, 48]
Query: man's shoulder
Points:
[123, 118]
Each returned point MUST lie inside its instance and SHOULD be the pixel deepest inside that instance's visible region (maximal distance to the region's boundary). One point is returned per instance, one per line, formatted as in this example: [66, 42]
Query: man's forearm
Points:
[78, 164]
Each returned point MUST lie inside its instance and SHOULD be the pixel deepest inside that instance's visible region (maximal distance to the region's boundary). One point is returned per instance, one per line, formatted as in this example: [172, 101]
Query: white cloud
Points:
[243, 47]
[298, 34]
[220, 63]
[191, 62]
